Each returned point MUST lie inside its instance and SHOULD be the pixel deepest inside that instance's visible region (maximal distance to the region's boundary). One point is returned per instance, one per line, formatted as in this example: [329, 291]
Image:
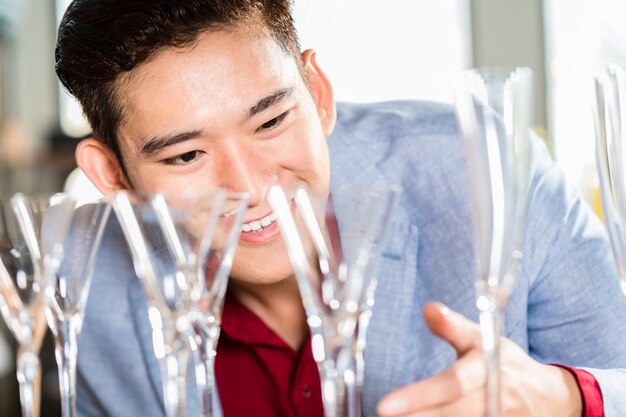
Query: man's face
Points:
[234, 112]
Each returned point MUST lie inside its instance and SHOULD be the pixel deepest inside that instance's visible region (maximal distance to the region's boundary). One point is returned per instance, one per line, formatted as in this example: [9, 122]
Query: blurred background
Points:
[406, 49]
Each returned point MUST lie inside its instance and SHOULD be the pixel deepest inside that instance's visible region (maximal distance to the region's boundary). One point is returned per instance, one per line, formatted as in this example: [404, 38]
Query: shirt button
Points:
[306, 391]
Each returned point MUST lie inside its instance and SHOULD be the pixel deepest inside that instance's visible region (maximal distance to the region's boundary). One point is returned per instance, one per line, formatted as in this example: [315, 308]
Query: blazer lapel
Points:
[397, 276]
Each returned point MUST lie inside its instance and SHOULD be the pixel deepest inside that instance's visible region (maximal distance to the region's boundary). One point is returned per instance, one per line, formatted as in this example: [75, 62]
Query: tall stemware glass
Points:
[182, 250]
[21, 296]
[493, 111]
[53, 257]
[334, 275]
[70, 240]
[609, 113]
[208, 300]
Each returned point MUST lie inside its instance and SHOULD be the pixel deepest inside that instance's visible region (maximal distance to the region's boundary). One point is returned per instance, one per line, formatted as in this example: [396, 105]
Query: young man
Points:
[195, 94]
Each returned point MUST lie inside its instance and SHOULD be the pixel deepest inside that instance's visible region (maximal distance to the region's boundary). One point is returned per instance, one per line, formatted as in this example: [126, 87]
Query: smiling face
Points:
[230, 111]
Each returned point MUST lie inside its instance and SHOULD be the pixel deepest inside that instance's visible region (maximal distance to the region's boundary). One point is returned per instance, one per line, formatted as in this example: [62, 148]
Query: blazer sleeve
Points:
[576, 309]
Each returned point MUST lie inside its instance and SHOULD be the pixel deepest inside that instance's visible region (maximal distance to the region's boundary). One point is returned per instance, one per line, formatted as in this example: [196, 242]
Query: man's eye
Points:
[271, 124]
[183, 159]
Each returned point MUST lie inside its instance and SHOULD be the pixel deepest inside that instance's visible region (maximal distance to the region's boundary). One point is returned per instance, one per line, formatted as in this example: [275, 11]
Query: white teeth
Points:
[256, 225]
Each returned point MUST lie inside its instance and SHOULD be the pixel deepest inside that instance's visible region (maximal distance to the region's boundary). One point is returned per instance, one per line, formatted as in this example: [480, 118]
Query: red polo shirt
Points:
[259, 375]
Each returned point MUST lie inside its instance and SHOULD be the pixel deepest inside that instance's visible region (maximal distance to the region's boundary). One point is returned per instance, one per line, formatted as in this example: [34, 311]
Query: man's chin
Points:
[260, 278]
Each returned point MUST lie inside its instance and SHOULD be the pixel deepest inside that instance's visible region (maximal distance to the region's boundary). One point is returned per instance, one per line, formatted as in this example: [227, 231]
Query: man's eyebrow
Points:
[269, 101]
[158, 143]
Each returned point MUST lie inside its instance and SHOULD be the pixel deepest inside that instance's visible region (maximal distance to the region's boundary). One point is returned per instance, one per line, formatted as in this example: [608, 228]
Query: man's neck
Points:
[278, 305]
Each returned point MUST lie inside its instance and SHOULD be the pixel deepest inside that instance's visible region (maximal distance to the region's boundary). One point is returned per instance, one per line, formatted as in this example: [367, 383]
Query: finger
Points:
[461, 333]
[465, 376]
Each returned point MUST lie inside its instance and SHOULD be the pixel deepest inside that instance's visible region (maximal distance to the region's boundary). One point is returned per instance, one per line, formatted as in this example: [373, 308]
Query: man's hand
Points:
[529, 388]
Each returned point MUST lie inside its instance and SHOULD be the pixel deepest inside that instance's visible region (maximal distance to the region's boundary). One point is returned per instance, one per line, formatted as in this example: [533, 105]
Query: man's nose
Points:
[239, 170]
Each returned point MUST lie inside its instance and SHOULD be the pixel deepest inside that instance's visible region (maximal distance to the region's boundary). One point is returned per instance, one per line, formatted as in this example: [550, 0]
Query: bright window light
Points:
[399, 50]
[582, 37]
[72, 121]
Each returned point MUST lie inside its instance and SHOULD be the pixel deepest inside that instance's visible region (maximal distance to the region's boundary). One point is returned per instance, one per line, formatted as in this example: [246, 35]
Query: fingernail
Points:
[444, 310]
[450, 315]
[393, 406]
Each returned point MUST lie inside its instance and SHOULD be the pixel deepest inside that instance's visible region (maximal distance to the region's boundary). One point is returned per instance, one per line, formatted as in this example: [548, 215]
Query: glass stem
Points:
[207, 337]
[362, 325]
[174, 374]
[353, 397]
[490, 324]
[66, 355]
[331, 389]
[29, 378]
[354, 376]
[339, 389]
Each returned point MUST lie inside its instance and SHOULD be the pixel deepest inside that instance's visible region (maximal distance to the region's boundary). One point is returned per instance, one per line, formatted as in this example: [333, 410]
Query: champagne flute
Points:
[69, 241]
[59, 242]
[21, 298]
[207, 302]
[334, 276]
[609, 113]
[493, 110]
[171, 240]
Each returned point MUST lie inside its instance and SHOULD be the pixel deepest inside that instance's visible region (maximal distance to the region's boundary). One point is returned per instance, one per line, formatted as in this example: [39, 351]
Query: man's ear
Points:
[101, 166]
[322, 91]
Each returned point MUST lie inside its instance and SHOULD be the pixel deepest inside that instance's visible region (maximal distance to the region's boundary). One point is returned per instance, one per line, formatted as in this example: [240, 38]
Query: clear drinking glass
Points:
[609, 113]
[51, 252]
[182, 248]
[335, 275]
[493, 111]
[21, 296]
[70, 240]
[206, 310]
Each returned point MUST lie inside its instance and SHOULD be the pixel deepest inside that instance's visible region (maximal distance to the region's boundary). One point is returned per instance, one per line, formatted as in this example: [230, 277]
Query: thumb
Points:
[461, 333]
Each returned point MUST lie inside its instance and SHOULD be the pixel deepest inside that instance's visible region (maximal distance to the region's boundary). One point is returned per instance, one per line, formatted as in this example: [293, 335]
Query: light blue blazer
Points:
[566, 308]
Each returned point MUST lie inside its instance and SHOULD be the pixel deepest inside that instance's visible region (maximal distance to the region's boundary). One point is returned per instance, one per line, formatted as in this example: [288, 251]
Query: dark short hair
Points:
[100, 41]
